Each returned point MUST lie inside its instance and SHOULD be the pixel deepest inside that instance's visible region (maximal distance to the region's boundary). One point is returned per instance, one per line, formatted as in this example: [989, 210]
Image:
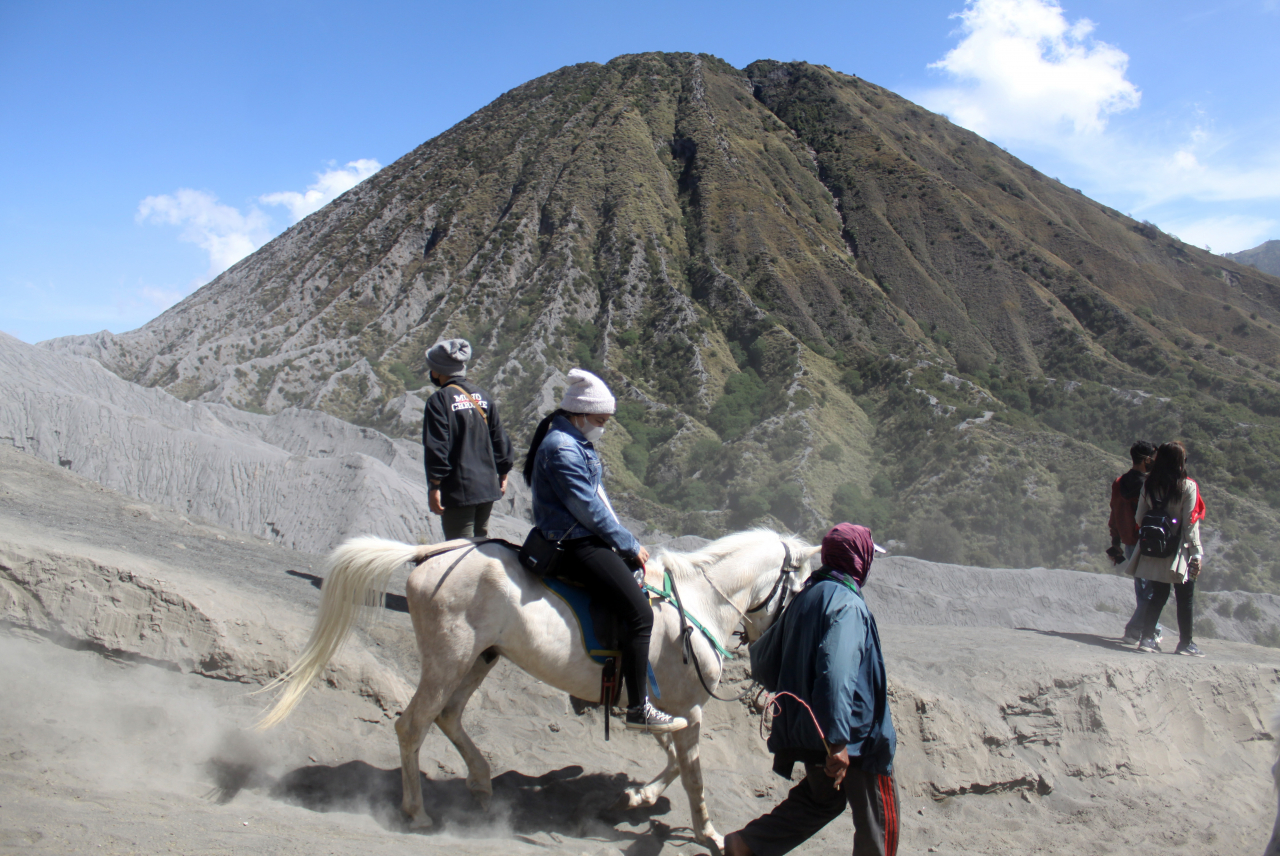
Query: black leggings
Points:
[1183, 593]
[591, 562]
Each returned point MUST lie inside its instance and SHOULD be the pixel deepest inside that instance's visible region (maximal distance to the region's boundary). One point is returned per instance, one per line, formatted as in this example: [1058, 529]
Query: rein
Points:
[686, 631]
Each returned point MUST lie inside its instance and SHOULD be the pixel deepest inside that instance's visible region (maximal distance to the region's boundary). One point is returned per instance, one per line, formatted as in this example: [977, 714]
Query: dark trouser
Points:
[602, 572]
[466, 521]
[816, 801]
[1142, 597]
[1184, 592]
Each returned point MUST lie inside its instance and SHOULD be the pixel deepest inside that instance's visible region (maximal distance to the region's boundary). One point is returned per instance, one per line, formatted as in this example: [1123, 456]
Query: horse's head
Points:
[777, 585]
[746, 577]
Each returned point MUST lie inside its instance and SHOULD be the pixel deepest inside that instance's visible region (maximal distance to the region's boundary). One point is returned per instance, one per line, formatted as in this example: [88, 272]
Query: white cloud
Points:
[225, 233]
[1023, 72]
[1024, 76]
[1226, 234]
[329, 185]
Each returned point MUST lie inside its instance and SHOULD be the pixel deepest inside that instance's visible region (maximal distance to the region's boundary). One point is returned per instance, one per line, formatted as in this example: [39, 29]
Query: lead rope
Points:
[772, 702]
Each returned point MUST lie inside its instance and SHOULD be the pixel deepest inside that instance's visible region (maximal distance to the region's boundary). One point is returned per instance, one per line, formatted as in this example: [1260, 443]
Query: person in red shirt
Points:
[1124, 530]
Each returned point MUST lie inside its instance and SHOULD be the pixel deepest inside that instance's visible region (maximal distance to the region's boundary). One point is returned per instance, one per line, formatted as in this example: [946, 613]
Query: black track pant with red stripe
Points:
[816, 801]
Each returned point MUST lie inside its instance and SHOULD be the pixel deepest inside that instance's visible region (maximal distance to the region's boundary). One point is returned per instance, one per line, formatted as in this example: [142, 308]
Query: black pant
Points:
[466, 521]
[816, 801]
[591, 562]
[1184, 592]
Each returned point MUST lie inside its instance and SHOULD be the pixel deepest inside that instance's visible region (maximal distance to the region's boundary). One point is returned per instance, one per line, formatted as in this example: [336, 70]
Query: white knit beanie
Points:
[587, 394]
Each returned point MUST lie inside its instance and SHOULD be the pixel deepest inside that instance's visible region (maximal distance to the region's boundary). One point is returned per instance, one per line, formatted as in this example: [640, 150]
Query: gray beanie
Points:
[587, 394]
[449, 357]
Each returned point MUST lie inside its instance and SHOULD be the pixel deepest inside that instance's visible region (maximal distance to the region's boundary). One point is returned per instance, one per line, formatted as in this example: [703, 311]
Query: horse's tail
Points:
[359, 571]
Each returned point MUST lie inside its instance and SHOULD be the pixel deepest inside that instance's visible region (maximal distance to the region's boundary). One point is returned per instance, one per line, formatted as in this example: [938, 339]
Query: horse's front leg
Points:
[648, 795]
[686, 746]
[479, 776]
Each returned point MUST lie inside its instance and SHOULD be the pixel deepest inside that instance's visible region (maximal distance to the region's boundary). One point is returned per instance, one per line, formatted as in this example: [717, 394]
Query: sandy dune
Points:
[1047, 739]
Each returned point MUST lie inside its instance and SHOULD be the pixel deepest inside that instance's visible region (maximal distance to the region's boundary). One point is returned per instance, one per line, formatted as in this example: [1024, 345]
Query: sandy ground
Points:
[1046, 739]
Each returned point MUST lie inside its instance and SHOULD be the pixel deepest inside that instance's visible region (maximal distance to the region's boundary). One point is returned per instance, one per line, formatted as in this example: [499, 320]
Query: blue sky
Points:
[147, 146]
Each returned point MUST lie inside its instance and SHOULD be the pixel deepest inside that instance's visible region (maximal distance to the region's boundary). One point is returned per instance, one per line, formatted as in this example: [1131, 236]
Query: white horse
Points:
[472, 602]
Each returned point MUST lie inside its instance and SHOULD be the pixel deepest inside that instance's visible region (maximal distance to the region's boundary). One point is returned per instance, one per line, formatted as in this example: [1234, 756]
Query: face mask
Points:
[593, 433]
[435, 380]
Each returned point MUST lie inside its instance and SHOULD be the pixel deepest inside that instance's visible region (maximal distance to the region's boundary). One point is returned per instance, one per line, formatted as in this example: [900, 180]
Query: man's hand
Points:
[433, 499]
[837, 764]
[1193, 568]
[1116, 554]
[643, 556]
[502, 483]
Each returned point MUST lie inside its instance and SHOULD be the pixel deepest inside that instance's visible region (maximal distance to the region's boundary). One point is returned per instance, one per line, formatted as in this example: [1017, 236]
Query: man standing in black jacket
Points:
[468, 455]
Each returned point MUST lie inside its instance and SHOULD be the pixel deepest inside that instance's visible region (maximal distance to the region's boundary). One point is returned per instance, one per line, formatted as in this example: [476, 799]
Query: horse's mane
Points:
[685, 566]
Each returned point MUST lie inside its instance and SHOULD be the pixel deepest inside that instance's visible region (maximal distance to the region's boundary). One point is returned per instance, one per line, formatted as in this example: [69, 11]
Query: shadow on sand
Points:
[1109, 642]
[564, 802]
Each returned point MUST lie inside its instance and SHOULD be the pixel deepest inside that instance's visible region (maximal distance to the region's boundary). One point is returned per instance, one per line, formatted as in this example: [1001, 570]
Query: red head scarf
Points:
[848, 548]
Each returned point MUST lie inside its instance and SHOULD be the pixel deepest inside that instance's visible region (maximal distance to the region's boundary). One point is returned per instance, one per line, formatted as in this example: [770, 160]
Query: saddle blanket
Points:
[598, 627]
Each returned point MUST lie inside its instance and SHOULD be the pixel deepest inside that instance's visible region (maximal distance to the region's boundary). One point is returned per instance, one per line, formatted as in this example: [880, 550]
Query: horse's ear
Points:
[811, 552]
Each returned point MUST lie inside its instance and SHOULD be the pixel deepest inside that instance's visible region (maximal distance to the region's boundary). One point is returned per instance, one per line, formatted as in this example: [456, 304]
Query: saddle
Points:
[600, 630]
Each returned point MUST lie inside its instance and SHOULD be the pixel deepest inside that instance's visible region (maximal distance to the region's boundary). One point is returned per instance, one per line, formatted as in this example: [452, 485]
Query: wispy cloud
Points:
[36, 311]
[228, 234]
[1024, 75]
[1230, 233]
[225, 233]
[329, 185]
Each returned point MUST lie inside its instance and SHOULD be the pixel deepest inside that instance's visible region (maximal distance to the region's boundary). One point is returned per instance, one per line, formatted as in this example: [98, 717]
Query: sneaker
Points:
[1191, 649]
[1159, 634]
[646, 717]
[1149, 645]
[1130, 638]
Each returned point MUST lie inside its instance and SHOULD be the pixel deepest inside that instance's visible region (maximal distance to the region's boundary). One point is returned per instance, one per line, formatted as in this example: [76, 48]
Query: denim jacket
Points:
[568, 496]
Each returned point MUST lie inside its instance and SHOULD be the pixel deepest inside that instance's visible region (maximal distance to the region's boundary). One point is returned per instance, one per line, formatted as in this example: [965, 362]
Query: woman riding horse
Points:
[570, 507]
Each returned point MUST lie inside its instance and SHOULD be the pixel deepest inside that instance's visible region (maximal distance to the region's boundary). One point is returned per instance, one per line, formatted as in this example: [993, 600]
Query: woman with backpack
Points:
[1169, 552]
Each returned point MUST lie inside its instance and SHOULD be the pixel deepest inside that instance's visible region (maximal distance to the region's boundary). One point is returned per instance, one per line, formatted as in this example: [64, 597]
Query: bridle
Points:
[789, 567]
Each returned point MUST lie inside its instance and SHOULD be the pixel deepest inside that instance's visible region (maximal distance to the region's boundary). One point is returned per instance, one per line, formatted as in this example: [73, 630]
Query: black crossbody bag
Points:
[540, 555]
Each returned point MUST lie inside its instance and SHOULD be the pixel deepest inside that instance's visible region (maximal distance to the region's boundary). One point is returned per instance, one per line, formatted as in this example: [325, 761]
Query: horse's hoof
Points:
[483, 799]
[420, 822]
[630, 799]
[713, 842]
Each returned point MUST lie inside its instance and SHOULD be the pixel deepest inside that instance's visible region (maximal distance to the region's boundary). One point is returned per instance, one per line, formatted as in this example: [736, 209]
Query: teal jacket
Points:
[825, 649]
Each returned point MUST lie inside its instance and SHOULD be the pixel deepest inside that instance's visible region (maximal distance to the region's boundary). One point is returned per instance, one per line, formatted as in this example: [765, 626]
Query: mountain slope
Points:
[815, 299]
[299, 478]
[1265, 257]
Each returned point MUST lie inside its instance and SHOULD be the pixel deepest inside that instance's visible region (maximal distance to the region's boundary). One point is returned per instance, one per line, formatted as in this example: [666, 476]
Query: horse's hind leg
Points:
[434, 690]
[648, 795]
[450, 721]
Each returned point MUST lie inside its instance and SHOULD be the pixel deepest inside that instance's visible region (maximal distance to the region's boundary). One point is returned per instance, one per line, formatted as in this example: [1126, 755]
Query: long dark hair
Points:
[539, 435]
[1167, 476]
